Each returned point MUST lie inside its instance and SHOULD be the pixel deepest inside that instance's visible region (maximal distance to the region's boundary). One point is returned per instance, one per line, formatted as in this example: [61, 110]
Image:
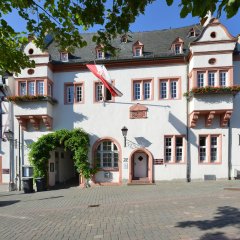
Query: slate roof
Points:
[157, 44]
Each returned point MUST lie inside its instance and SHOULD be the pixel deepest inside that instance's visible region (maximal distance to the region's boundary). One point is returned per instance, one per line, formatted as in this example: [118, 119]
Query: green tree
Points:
[64, 19]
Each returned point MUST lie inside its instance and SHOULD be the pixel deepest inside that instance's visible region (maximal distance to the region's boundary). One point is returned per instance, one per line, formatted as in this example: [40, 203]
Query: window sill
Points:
[33, 98]
[109, 169]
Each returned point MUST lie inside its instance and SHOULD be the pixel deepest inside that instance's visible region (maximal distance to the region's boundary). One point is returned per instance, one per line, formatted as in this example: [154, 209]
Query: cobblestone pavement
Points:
[167, 211]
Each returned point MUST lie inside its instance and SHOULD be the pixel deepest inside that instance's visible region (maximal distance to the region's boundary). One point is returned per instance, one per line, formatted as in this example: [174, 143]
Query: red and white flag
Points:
[102, 74]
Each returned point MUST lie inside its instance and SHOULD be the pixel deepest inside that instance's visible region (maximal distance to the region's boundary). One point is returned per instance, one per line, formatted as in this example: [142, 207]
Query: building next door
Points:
[140, 165]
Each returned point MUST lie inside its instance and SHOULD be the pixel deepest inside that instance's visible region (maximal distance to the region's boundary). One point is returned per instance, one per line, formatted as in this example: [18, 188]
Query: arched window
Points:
[107, 154]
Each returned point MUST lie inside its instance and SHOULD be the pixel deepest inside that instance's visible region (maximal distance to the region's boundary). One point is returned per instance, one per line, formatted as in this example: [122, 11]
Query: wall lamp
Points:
[9, 134]
[124, 133]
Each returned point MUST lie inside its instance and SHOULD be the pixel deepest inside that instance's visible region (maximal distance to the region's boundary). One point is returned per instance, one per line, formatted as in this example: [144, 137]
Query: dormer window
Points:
[64, 56]
[100, 54]
[192, 33]
[138, 49]
[124, 38]
[177, 46]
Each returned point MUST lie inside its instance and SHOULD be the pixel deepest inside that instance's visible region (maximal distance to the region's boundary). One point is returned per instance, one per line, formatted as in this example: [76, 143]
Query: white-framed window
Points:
[223, 79]
[102, 93]
[40, 87]
[70, 94]
[31, 88]
[174, 149]
[64, 56]
[138, 52]
[107, 154]
[169, 88]
[200, 79]
[163, 91]
[177, 49]
[202, 148]
[100, 54]
[23, 88]
[173, 89]
[73, 93]
[214, 145]
[210, 148]
[211, 79]
[142, 89]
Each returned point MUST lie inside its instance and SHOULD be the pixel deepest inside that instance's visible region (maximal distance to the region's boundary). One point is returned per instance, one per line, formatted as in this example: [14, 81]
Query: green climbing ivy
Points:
[76, 140]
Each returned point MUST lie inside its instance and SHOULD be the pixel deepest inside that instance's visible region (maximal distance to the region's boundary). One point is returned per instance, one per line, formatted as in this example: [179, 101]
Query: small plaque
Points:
[5, 171]
[125, 165]
[158, 162]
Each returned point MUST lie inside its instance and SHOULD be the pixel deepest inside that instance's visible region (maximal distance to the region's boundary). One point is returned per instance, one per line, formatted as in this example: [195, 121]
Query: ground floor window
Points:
[174, 149]
[209, 148]
[107, 154]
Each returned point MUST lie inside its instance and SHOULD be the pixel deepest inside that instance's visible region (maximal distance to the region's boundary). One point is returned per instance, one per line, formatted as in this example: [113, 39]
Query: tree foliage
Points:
[64, 19]
[76, 141]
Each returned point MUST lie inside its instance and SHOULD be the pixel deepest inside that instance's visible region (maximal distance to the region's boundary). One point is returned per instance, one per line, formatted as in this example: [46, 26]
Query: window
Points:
[202, 149]
[169, 89]
[23, 88]
[138, 49]
[31, 88]
[209, 148]
[142, 89]
[64, 56]
[102, 93]
[178, 49]
[174, 149]
[40, 87]
[223, 79]
[35, 87]
[74, 93]
[173, 89]
[107, 154]
[211, 79]
[100, 54]
[200, 79]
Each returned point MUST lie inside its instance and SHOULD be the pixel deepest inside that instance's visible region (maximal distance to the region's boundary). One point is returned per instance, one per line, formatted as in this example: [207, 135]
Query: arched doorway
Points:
[140, 167]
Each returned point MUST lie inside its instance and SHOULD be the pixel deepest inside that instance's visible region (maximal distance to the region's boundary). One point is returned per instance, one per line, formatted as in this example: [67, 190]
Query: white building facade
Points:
[170, 136]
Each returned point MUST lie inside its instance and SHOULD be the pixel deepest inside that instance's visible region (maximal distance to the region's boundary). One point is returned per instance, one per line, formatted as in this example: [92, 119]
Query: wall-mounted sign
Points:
[125, 165]
[125, 159]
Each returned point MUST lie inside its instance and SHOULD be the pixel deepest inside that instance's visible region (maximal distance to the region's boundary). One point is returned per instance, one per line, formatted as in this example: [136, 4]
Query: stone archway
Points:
[140, 159]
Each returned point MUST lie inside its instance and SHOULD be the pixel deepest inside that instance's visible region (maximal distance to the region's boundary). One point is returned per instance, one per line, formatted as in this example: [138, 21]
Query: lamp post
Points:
[10, 136]
[124, 133]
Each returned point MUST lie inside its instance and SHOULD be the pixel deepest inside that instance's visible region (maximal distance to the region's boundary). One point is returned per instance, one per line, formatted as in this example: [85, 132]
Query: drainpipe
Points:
[229, 149]
[188, 170]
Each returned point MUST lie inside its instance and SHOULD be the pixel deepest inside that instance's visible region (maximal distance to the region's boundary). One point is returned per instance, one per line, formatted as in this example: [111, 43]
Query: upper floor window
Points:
[102, 93]
[64, 56]
[211, 79]
[209, 148]
[200, 79]
[138, 49]
[99, 52]
[192, 33]
[177, 46]
[142, 89]
[107, 154]
[174, 149]
[223, 79]
[74, 93]
[35, 87]
[169, 89]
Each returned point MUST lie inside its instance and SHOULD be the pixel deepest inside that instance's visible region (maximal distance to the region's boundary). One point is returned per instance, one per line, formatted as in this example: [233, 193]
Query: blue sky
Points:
[157, 16]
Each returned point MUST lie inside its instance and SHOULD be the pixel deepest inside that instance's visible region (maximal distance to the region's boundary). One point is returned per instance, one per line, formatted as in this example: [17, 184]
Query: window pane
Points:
[179, 141]
[107, 159]
[168, 141]
[70, 94]
[202, 141]
[211, 79]
[40, 88]
[107, 146]
[99, 88]
[179, 154]
[31, 88]
[168, 154]
[223, 78]
[78, 93]
[115, 160]
[163, 93]
[23, 89]
[108, 95]
[137, 91]
[146, 90]
[177, 49]
[173, 89]
[202, 154]
[202, 148]
[200, 79]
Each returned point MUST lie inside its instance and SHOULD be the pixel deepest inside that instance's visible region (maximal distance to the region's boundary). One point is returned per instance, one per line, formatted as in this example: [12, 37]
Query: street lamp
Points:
[9, 134]
[124, 133]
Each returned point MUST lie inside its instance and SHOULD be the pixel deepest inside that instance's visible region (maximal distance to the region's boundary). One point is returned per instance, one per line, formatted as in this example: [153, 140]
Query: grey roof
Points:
[156, 44]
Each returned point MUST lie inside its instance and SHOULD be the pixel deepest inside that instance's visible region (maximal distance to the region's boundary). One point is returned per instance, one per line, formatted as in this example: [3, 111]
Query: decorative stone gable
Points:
[138, 111]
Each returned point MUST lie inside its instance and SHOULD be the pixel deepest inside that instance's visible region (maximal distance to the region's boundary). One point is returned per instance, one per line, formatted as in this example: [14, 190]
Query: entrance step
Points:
[140, 182]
